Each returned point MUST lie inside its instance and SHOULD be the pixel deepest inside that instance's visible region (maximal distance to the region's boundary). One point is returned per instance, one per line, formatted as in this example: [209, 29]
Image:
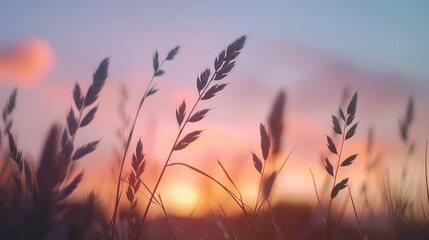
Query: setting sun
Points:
[183, 196]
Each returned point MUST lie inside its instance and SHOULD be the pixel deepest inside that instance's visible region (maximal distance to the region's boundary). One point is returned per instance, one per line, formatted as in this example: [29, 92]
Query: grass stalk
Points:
[148, 92]
[164, 210]
[334, 182]
[318, 198]
[223, 65]
[124, 155]
[356, 214]
[161, 175]
[345, 133]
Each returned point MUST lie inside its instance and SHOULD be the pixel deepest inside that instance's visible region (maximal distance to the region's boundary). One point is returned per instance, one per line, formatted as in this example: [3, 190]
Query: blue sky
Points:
[386, 34]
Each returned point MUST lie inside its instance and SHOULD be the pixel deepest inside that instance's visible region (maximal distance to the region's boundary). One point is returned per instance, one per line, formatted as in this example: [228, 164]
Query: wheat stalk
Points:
[223, 65]
[346, 132]
[150, 90]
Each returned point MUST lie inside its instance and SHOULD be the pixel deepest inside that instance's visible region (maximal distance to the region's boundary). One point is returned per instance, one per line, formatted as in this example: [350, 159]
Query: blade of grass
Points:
[172, 232]
[228, 222]
[355, 212]
[318, 198]
[146, 94]
[205, 93]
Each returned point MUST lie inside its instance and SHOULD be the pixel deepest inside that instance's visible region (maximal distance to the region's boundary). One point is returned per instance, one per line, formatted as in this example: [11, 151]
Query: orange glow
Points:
[183, 196]
[26, 63]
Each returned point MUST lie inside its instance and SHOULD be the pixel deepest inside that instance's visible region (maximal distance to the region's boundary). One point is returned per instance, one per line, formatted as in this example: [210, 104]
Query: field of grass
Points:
[35, 194]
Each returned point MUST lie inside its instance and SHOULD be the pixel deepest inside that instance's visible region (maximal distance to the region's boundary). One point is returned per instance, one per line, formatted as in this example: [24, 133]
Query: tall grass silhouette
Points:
[35, 198]
[207, 89]
[150, 90]
[346, 131]
[37, 210]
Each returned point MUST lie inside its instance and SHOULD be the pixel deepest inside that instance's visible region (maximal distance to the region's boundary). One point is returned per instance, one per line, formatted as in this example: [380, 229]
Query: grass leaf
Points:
[351, 131]
[99, 78]
[213, 90]
[10, 106]
[336, 127]
[329, 168]
[199, 115]
[172, 53]
[130, 193]
[410, 111]
[155, 61]
[275, 123]
[64, 138]
[257, 162]
[350, 118]
[188, 139]
[84, 150]
[265, 142]
[224, 70]
[203, 79]
[404, 125]
[77, 96]
[268, 184]
[348, 160]
[331, 145]
[233, 49]
[89, 117]
[338, 187]
[14, 153]
[151, 91]
[219, 60]
[72, 123]
[340, 111]
[158, 73]
[180, 113]
[351, 109]
[70, 188]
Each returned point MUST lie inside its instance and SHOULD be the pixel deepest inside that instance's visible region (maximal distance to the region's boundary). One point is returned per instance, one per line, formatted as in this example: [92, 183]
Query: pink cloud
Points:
[25, 63]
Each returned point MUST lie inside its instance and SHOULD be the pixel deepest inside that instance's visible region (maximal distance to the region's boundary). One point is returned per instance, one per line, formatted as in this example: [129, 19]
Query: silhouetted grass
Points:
[34, 195]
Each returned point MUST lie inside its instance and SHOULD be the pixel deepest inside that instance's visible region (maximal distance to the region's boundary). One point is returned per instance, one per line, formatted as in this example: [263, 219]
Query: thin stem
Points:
[280, 234]
[277, 174]
[229, 222]
[318, 198]
[258, 197]
[335, 179]
[171, 153]
[356, 215]
[173, 233]
[234, 197]
[118, 185]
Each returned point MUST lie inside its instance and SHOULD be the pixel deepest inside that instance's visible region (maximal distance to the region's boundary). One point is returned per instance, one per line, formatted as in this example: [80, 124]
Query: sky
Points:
[312, 50]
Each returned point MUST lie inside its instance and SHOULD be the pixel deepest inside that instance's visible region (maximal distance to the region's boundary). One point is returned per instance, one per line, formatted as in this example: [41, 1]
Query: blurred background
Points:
[312, 50]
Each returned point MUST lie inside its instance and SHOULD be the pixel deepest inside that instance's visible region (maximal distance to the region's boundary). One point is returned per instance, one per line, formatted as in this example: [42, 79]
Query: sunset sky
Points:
[312, 50]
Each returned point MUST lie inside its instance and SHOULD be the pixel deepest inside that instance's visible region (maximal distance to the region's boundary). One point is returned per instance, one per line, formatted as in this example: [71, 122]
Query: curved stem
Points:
[171, 153]
[118, 185]
[258, 197]
[335, 179]
[356, 215]
[234, 197]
